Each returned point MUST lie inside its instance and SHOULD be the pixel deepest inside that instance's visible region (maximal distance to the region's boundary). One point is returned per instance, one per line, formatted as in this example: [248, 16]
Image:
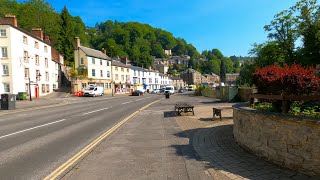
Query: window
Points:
[81, 61]
[47, 76]
[101, 73]
[27, 88]
[93, 72]
[3, 33]
[93, 61]
[25, 57]
[36, 44]
[6, 87]
[117, 77]
[122, 70]
[45, 49]
[116, 68]
[100, 62]
[38, 75]
[107, 86]
[47, 88]
[122, 77]
[127, 70]
[46, 62]
[135, 73]
[54, 86]
[107, 63]
[108, 73]
[43, 88]
[4, 52]
[150, 80]
[25, 39]
[26, 72]
[5, 69]
[37, 60]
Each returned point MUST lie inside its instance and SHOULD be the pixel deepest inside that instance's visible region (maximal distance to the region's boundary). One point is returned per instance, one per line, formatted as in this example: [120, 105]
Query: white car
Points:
[155, 91]
[169, 89]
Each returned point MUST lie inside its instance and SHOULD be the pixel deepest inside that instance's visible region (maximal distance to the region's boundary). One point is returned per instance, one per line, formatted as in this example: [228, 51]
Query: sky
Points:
[231, 26]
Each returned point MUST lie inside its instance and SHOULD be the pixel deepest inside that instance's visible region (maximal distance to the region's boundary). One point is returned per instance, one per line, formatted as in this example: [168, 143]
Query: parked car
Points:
[162, 90]
[181, 90]
[137, 93]
[93, 91]
[155, 91]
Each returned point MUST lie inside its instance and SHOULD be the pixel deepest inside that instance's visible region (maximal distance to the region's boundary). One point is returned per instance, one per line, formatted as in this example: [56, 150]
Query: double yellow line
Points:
[71, 162]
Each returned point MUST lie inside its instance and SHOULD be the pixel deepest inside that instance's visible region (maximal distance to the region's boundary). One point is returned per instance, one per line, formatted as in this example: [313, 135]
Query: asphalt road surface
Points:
[35, 142]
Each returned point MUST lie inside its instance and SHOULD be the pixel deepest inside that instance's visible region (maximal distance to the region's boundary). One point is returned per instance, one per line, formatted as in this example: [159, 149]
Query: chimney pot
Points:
[103, 50]
[9, 19]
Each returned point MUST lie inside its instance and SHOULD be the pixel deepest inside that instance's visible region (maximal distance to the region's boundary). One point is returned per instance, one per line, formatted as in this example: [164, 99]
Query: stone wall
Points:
[289, 141]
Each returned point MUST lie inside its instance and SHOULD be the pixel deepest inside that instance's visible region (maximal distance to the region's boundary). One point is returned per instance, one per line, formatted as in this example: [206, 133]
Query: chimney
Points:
[37, 32]
[103, 51]
[124, 60]
[76, 43]
[47, 39]
[9, 19]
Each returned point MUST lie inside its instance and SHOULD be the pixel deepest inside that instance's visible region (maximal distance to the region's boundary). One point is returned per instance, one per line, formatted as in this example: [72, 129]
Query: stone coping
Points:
[245, 107]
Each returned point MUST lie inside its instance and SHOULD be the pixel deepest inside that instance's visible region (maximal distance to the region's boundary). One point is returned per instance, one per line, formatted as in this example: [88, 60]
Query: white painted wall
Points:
[16, 48]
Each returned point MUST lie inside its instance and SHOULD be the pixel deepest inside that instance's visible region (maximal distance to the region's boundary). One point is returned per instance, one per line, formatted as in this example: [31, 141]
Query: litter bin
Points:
[167, 95]
[8, 101]
[22, 95]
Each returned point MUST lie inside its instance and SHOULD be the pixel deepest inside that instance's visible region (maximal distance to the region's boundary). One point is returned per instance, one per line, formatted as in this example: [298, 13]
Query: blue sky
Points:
[232, 26]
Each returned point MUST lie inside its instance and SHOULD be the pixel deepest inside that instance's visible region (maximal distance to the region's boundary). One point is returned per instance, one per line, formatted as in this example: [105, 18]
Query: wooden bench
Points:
[183, 108]
[216, 112]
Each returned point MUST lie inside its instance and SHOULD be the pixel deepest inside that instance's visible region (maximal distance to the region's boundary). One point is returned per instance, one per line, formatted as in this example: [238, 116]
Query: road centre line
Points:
[18, 132]
[96, 110]
[127, 102]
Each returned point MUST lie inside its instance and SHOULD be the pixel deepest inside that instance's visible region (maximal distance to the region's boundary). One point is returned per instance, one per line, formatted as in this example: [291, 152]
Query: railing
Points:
[285, 99]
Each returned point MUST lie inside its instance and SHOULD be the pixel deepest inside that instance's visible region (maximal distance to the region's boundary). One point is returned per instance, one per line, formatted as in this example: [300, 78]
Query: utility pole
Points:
[112, 83]
[30, 90]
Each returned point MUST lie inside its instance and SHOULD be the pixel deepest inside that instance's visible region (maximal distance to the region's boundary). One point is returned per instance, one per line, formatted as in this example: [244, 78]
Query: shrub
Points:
[294, 80]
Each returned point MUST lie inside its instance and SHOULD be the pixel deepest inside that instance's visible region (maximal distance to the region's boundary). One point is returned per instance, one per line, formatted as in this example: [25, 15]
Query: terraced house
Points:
[94, 67]
[25, 57]
[121, 77]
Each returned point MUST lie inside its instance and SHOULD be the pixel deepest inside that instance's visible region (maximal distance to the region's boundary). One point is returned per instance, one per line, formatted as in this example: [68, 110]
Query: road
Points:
[35, 142]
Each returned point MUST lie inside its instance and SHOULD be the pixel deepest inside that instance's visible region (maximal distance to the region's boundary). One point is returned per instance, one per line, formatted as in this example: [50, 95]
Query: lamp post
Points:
[112, 83]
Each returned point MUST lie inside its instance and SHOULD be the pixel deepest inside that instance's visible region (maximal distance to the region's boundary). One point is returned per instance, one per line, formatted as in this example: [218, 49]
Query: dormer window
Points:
[36, 44]
[25, 40]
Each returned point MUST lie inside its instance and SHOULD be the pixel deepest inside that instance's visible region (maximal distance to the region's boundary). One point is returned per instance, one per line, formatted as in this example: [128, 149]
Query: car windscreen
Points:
[168, 88]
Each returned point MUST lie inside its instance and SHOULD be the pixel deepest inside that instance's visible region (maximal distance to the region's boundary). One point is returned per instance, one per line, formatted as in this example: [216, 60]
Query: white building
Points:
[94, 66]
[24, 56]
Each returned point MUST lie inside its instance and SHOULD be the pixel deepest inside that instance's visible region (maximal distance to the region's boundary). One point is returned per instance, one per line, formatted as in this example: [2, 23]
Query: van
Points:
[169, 89]
[93, 91]
[190, 88]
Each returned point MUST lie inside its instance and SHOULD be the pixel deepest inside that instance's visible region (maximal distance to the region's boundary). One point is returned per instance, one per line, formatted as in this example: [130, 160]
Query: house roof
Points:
[26, 32]
[175, 78]
[94, 53]
[137, 68]
[118, 63]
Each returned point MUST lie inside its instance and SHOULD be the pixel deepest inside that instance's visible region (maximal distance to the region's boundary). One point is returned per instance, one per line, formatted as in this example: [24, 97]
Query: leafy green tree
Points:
[66, 36]
[157, 50]
[246, 74]
[309, 29]
[80, 30]
[191, 63]
[223, 71]
[283, 30]
[268, 53]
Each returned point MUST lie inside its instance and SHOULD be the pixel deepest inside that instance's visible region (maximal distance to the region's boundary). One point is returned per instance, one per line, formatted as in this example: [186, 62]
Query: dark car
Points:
[137, 93]
[181, 90]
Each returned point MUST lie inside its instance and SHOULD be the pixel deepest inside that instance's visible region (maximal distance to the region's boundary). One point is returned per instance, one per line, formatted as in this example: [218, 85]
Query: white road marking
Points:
[140, 99]
[96, 111]
[127, 102]
[18, 132]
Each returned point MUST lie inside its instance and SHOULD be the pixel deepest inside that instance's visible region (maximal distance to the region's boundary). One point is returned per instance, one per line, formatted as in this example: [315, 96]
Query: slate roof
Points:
[94, 53]
[119, 64]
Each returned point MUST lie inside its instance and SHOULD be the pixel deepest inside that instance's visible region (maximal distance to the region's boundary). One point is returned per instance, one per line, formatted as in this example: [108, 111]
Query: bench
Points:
[216, 112]
[179, 108]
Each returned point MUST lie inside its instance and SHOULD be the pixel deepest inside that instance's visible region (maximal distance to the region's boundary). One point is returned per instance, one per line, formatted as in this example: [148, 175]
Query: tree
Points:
[66, 36]
[246, 74]
[157, 50]
[268, 53]
[283, 30]
[223, 71]
[309, 28]
[191, 63]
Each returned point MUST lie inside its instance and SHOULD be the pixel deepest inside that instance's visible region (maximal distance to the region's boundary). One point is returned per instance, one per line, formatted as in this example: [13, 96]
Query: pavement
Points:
[155, 144]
